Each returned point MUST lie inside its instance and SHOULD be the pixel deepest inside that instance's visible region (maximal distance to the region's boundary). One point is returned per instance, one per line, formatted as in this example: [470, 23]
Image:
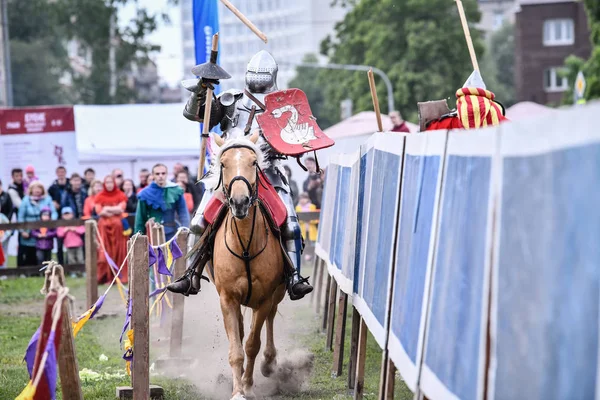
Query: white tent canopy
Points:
[134, 136]
[134, 132]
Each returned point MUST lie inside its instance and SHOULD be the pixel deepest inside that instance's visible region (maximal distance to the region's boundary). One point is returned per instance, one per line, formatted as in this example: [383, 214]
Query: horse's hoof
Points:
[267, 369]
[238, 396]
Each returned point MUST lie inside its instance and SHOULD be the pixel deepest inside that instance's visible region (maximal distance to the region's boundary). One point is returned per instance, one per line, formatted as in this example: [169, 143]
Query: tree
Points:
[38, 55]
[307, 79]
[419, 43]
[498, 65]
[40, 31]
[89, 22]
[590, 67]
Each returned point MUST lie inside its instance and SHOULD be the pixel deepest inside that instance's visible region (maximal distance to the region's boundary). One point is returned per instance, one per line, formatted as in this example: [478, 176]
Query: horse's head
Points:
[239, 165]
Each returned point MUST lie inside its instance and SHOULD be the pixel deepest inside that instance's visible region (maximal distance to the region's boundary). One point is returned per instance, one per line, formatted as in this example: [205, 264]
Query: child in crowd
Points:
[72, 236]
[44, 237]
[309, 230]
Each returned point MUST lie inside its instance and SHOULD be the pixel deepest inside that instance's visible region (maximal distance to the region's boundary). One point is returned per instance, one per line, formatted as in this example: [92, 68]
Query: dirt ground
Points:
[206, 345]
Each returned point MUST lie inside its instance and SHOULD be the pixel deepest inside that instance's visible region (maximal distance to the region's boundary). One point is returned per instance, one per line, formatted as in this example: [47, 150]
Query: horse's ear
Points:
[254, 137]
[219, 141]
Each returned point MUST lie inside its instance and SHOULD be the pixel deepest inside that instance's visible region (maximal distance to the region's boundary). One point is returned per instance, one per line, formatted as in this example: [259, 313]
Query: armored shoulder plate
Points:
[191, 84]
[230, 96]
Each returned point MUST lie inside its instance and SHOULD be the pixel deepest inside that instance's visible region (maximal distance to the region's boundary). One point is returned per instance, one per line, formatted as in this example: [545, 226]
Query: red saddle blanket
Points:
[268, 196]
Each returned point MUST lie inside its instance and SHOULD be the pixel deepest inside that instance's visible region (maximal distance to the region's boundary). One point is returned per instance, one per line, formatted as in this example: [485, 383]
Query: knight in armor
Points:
[239, 109]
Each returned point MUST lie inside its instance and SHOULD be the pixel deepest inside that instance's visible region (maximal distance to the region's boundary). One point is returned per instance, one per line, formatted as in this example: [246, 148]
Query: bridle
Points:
[253, 189]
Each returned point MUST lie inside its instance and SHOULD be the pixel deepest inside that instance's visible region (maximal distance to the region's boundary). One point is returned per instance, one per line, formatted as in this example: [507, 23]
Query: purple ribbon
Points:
[51, 367]
[175, 250]
[31, 350]
[151, 256]
[98, 305]
[162, 265]
[127, 320]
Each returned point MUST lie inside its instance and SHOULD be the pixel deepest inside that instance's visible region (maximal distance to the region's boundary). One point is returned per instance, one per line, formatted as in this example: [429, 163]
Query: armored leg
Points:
[298, 287]
[189, 283]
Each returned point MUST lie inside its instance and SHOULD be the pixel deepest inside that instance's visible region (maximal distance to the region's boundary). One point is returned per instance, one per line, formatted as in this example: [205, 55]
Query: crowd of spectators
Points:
[75, 196]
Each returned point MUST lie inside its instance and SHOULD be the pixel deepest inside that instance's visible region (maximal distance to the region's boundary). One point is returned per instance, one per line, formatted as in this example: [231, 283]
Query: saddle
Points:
[215, 212]
[267, 195]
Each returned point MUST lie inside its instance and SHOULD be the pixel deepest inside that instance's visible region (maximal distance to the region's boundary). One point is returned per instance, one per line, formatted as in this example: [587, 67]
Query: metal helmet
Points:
[261, 73]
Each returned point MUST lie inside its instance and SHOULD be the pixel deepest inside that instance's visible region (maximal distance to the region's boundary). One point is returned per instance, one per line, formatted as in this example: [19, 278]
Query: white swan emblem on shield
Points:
[294, 133]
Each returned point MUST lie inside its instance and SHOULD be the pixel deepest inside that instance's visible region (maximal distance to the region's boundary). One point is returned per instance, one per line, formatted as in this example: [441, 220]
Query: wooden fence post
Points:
[178, 301]
[140, 317]
[68, 367]
[319, 276]
[331, 314]
[360, 361]
[353, 348]
[387, 382]
[139, 291]
[326, 306]
[340, 334]
[314, 274]
[91, 262]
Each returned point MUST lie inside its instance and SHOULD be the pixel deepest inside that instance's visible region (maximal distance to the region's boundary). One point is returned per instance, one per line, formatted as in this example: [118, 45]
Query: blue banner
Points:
[206, 24]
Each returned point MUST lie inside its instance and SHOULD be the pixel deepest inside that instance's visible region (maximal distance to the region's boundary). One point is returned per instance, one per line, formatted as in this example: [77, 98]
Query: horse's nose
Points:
[240, 206]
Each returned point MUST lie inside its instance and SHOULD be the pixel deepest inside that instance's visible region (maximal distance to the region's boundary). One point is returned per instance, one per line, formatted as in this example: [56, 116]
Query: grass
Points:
[20, 315]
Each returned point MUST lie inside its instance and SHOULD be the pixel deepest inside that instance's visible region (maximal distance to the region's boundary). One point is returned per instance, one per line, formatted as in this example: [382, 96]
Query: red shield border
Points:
[288, 125]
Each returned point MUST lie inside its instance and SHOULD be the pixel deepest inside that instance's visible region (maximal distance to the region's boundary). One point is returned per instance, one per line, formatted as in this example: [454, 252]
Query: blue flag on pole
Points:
[206, 24]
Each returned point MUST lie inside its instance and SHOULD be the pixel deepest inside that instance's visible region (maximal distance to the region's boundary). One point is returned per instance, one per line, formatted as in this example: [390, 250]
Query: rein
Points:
[245, 256]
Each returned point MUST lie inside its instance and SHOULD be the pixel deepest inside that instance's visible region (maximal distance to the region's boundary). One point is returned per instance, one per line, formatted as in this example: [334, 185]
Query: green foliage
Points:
[497, 66]
[307, 79]
[38, 55]
[590, 67]
[419, 44]
[40, 31]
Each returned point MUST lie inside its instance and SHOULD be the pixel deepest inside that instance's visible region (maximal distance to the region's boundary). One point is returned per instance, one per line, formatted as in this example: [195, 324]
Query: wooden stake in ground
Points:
[206, 119]
[331, 314]
[245, 20]
[139, 287]
[91, 263]
[375, 99]
[361, 353]
[340, 335]
[465, 25]
[67, 362]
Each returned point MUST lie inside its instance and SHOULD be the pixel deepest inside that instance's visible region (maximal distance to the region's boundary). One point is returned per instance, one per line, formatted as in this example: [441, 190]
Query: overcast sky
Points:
[169, 60]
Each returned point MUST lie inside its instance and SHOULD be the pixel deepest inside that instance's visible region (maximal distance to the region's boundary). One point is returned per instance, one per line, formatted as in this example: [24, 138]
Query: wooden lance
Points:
[465, 25]
[245, 20]
[375, 99]
[206, 120]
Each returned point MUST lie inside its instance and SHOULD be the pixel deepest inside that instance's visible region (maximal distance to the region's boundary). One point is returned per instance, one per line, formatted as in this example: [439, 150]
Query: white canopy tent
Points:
[134, 136]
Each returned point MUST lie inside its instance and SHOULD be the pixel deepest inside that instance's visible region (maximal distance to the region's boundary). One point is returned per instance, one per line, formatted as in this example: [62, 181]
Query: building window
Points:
[559, 32]
[498, 20]
[553, 81]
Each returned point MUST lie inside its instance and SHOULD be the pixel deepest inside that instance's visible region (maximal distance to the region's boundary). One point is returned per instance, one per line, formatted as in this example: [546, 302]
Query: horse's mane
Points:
[235, 137]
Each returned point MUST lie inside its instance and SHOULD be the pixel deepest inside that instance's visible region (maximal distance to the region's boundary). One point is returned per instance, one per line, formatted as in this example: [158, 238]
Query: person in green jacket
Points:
[162, 200]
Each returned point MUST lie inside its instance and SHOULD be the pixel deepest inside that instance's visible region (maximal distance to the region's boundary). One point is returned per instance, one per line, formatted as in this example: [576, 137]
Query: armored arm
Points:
[194, 109]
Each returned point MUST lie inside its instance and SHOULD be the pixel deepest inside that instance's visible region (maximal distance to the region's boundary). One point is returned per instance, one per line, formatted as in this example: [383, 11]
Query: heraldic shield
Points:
[288, 125]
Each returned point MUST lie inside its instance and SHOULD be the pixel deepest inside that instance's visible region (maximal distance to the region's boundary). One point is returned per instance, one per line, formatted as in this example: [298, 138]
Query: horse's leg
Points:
[253, 344]
[270, 355]
[241, 319]
[268, 365]
[231, 312]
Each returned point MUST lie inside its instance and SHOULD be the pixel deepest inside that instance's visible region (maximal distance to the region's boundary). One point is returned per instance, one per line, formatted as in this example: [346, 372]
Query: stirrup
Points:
[297, 289]
[184, 284]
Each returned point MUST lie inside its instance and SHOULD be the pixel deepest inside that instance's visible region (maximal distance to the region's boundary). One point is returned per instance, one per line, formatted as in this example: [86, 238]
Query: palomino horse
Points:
[244, 236]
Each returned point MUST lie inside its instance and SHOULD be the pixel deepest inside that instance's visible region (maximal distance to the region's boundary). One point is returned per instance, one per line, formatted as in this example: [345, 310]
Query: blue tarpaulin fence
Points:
[474, 256]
